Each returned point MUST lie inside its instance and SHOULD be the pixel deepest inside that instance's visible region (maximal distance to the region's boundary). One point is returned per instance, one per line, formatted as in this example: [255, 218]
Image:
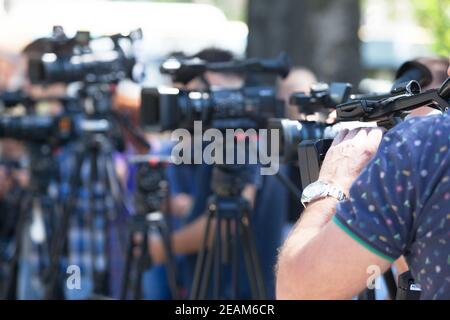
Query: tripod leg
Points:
[60, 238]
[127, 269]
[217, 258]
[234, 245]
[92, 216]
[170, 261]
[247, 259]
[255, 268]
[113, 184]
[141, 263]
[207, 271]
[13, 272]
[200, 265]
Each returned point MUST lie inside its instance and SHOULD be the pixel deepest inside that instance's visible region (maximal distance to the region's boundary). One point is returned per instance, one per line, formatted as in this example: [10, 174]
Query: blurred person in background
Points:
[299, 80]
[438, 69]
[83, 249]
[14, 179]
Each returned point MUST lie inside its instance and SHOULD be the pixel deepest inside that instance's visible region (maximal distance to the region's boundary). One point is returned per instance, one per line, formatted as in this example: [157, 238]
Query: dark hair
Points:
[210, 55]
[438, 67]
[214, 55]
[36, 48]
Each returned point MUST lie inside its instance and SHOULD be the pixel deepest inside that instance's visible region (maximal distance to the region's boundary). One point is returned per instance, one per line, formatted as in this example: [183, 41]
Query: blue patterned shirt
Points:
[400, 204]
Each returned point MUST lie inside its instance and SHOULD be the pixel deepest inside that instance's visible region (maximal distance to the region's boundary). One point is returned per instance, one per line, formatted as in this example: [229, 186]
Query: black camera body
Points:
[385, 110]
[76, 59]
[152, 185]
[292, 133]
[322, 98]
[249, 107]
[38, 129]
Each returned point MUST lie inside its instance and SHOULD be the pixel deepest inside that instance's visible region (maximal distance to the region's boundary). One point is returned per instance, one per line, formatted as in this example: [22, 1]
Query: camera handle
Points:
[311, 154]
[407, 289]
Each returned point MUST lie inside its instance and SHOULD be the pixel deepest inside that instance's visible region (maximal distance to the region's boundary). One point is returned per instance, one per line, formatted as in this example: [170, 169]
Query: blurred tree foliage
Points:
[435, 15]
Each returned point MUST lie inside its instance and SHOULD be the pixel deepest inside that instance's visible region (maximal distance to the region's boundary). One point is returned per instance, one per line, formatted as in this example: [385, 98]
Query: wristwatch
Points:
[319, 190]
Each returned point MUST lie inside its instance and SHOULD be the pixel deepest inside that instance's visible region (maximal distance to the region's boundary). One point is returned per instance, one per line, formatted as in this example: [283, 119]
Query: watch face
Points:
[314, 190]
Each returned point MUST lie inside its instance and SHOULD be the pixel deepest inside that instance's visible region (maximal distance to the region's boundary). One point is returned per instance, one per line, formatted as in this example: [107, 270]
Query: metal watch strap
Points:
[336, 193]
[330, 191]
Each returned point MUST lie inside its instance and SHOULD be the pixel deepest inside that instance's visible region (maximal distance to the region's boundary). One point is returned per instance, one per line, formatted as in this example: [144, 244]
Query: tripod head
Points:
[230, 180]
[152, 185]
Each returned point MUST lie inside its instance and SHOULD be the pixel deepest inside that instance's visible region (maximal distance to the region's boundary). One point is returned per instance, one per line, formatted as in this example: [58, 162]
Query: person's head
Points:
[438, 67]
[299, 80]
[8, 71]
[448, 70]
[35, 50]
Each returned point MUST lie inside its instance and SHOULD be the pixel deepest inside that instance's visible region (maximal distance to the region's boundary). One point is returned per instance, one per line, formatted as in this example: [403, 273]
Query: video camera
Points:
[322, 98]
[51, 130]
[247, 107]
[321, 101]
[89, 110]
[105, 59]
[386, 111]
[37, 129]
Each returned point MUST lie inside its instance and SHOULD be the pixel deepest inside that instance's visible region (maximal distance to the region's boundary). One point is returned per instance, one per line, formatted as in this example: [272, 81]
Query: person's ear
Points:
[448, 70]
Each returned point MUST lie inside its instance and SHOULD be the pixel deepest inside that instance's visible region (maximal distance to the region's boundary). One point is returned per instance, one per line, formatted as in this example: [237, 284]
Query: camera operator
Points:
[87, 247]
[299, 80]
[394, 206]
[263, 193]
[14, 177]
[33, 254]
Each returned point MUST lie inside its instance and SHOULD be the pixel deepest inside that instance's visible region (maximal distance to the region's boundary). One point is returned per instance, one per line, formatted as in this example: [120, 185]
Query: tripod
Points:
[37, 205]
[96, 146]
[232, 236]
[151, 222]
[151, 194]
[97, 150]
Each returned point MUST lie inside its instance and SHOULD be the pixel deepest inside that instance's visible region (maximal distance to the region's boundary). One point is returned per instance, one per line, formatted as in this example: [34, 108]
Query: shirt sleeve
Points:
[379, 213]
[177, 180]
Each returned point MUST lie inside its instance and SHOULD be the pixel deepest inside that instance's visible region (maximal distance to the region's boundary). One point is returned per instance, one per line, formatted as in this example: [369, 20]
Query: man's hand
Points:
[348, 155]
